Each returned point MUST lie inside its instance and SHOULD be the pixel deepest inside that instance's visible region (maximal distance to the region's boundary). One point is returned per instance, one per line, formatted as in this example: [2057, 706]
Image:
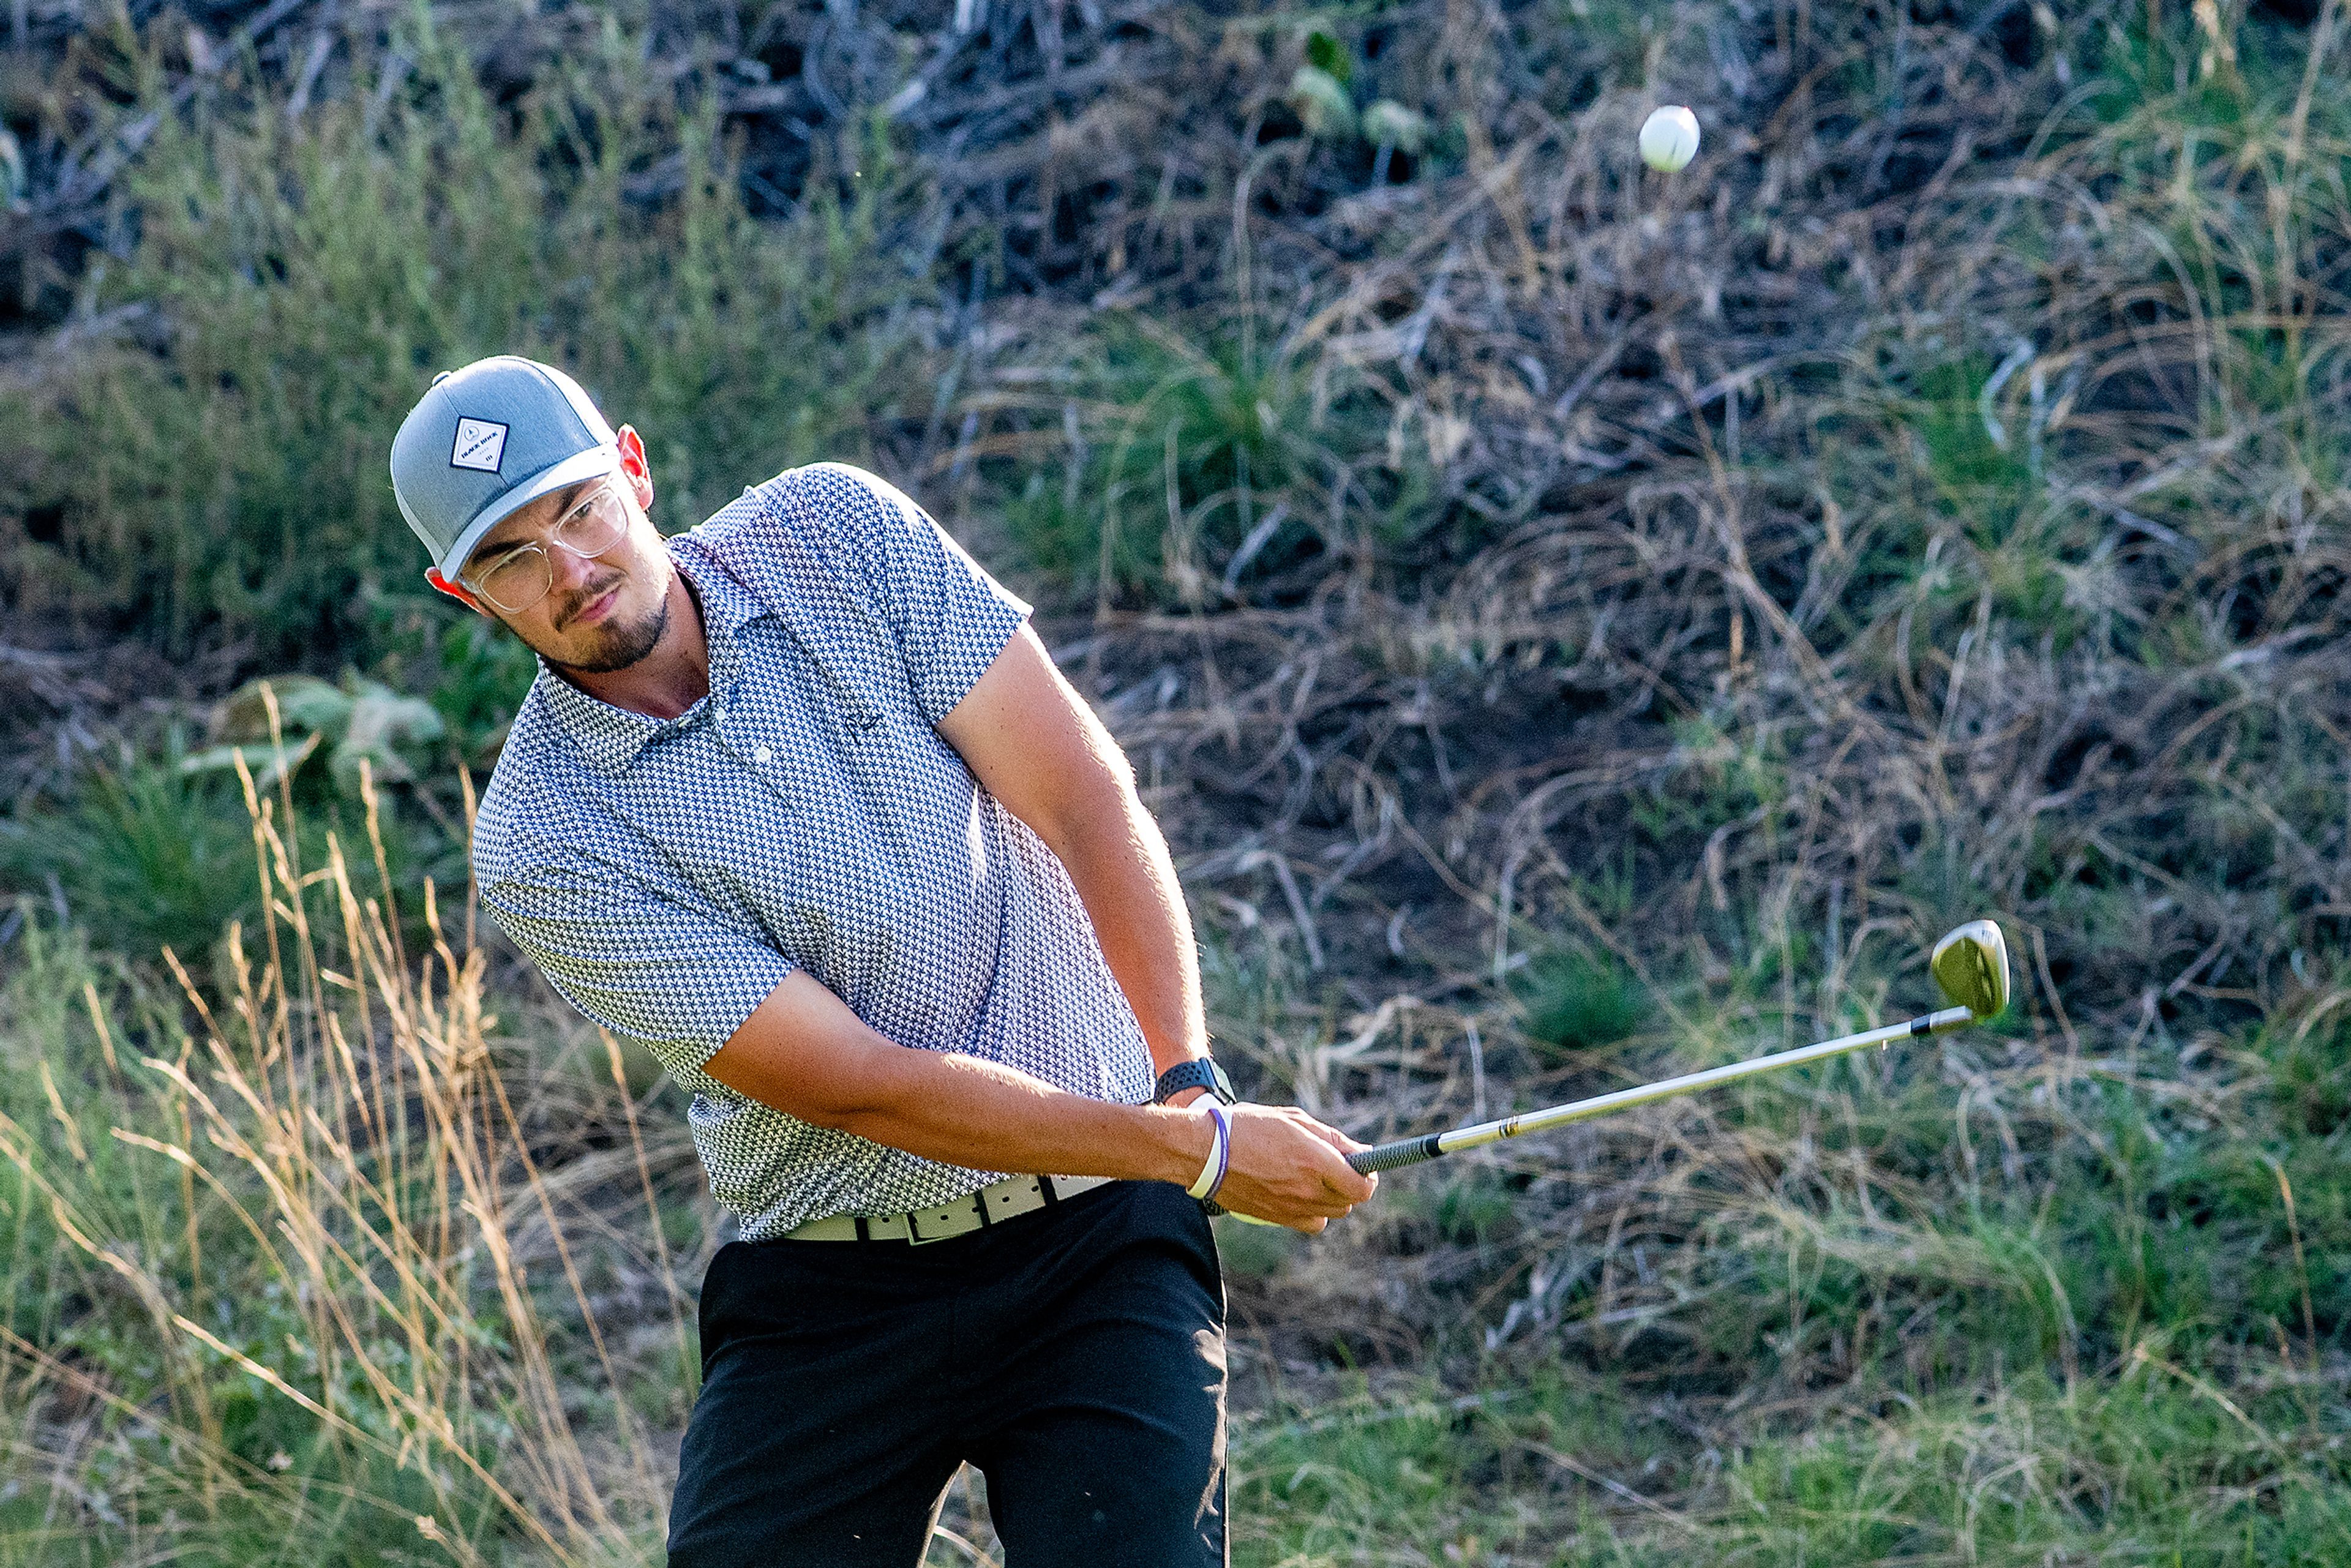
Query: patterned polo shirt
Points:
[665, 873]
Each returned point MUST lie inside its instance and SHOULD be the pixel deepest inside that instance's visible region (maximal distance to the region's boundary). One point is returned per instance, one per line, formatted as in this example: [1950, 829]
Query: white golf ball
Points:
[1669, 139]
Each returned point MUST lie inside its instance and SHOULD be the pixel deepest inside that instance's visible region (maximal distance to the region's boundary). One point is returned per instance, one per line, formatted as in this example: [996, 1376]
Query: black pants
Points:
[1074, 1355]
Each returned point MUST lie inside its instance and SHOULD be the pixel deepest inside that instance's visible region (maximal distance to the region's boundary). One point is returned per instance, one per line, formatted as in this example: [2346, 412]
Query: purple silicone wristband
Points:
[1224, 1148]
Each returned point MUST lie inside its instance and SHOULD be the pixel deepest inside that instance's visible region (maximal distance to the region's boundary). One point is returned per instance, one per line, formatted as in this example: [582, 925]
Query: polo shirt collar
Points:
[611, 737]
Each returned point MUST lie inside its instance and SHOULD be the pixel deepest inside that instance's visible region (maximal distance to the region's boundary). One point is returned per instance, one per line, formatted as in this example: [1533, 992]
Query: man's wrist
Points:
[1181, 1142]
[1191, 1078]
[1212, 1170]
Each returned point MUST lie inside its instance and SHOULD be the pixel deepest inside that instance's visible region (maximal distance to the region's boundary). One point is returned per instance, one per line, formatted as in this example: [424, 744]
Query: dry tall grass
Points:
[313, 1295]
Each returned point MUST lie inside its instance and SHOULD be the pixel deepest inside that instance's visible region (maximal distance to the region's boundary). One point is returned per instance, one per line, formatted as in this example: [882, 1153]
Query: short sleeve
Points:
[950, 616]
[646, 960]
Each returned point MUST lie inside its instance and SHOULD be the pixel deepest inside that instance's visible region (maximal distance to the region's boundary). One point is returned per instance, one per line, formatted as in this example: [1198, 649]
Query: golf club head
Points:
[1971, 963]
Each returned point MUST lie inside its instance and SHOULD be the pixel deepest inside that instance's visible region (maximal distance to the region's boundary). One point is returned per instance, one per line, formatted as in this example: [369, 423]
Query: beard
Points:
[620, 647]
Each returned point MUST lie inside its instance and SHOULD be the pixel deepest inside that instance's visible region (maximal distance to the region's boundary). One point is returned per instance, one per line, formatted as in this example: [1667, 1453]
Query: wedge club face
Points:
[1971, 963]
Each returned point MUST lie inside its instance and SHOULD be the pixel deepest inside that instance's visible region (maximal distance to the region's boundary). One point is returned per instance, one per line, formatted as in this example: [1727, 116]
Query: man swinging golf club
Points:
[800, 801]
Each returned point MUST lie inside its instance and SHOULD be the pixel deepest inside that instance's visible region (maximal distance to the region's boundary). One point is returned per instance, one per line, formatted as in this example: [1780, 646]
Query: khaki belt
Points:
[973, 1211]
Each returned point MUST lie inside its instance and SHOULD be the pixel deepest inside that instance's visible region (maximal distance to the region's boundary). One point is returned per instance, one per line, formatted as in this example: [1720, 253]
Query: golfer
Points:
[799, 800]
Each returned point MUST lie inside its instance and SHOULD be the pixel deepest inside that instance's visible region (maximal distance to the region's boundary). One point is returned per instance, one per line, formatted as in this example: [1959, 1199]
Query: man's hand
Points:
[1289, 1169]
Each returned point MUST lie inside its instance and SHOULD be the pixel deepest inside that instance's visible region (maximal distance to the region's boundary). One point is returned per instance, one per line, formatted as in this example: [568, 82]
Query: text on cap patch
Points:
[481, 443]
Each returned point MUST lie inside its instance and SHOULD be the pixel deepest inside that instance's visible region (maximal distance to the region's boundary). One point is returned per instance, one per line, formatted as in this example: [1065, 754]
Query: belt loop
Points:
[979, 1201]
[865, 1232]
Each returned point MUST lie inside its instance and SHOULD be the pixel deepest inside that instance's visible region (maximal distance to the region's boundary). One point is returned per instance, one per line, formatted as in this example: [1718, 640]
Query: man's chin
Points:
[608, 647]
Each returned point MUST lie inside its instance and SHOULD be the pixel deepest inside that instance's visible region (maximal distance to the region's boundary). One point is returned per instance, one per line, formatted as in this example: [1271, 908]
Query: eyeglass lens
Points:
[521, 577]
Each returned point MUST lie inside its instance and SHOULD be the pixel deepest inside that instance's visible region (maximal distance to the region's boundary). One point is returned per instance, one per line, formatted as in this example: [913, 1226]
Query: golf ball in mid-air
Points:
[1669, 139]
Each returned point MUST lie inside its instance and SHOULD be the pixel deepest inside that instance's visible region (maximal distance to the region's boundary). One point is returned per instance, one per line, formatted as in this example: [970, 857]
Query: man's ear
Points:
[633, 464]
[433, 575]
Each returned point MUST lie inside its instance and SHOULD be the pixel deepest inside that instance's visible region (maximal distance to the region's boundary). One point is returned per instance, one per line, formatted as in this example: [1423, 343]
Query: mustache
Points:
[587, 596]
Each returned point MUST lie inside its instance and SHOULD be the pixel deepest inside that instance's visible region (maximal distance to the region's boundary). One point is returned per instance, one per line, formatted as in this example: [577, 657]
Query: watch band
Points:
[1200, 1073]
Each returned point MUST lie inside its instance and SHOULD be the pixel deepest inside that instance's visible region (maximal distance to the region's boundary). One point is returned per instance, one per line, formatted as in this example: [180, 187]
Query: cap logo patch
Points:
[481, 443]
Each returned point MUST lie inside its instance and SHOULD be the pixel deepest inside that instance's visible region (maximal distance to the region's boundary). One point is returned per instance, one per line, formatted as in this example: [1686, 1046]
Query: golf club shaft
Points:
[1412, 1151]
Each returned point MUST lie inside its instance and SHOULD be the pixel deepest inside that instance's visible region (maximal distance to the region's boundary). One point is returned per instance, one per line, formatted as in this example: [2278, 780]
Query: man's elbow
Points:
[857, 1100]
[879, 1108]
[830, 1115]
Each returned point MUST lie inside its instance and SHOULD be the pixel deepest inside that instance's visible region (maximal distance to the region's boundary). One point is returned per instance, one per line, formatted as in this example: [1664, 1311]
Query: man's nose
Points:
[573, 572]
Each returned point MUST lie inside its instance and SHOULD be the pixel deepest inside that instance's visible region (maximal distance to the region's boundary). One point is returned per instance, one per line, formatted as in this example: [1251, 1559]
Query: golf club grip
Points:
[1393, 1156]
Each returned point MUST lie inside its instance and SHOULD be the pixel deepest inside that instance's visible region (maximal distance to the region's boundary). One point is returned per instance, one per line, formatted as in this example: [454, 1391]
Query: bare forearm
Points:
[803, 1051]
[1032, 741]
[963, 1111]
[966, 1111]
[1282, 1165]
[1118, 860]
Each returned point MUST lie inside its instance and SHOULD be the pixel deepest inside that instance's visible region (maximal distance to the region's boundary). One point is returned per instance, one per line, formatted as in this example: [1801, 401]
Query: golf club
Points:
[1970, 965]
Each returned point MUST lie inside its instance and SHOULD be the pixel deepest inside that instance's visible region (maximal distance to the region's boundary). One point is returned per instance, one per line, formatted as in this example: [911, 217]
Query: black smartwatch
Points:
[1200, 1073]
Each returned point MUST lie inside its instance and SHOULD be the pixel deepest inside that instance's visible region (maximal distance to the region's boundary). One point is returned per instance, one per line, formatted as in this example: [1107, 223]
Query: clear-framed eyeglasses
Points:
[513, 577]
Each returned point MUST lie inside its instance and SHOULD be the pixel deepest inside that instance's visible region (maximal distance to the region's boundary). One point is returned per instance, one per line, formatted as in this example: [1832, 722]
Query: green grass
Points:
[1195, 459]
[1575, 1002]
[1567, 1471]
[157, 849]
[152, 856]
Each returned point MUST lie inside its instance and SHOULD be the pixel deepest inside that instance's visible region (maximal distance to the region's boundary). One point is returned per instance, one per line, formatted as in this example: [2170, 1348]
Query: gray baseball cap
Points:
[487, 440]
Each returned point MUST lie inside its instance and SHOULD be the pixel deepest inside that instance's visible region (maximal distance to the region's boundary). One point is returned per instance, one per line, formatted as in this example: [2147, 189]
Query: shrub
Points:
[223, 479]
[144, 851]
[1577, 1002]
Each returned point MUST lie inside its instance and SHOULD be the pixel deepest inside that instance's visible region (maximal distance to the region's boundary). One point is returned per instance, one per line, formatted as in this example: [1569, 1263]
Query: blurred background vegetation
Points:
[1574, 625]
